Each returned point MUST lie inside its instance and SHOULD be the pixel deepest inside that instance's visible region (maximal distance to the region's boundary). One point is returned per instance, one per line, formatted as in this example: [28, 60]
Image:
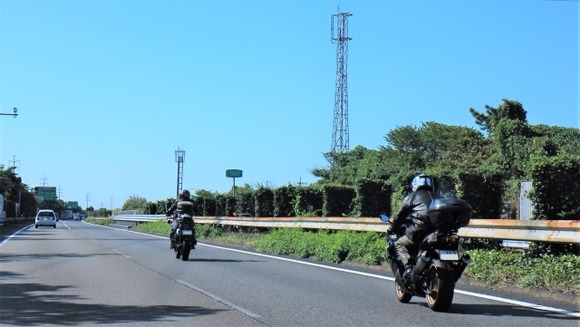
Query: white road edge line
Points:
[219, 299]
[467, 293]
[14, 234]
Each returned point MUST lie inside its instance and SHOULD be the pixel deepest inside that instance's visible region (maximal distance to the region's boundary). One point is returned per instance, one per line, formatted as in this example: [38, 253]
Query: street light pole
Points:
[13, 114]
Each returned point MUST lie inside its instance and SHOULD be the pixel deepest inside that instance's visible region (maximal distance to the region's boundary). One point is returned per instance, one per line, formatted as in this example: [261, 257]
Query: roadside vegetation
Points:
[100, 221]
[495, 268]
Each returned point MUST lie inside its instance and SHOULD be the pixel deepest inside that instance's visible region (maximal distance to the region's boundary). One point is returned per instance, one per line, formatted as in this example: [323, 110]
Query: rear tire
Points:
[441, 290]
[186, 247]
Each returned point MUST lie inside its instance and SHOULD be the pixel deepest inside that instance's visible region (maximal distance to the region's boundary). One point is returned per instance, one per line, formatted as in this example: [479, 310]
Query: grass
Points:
[100, 221]
[555, 273]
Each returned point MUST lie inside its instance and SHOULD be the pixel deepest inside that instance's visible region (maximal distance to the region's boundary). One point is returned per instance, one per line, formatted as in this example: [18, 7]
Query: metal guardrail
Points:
[14, 220]
[557, 231]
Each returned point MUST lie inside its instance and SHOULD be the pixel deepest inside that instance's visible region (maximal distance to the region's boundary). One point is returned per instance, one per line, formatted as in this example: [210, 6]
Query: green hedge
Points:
[284, 198]
[337, 201]
[556, 195]
[483, 193]
[372, 198]
[264, 202]
[308, 201]
[556, 188]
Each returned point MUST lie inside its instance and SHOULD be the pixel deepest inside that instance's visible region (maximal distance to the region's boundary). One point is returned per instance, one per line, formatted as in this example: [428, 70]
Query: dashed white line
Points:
[219, 299]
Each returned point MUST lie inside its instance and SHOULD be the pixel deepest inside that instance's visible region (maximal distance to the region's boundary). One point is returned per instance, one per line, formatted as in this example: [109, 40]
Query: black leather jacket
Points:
[182, 206]
[415, 205]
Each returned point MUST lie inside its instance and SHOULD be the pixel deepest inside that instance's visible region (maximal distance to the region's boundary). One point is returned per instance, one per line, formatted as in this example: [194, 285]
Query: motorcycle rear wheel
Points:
[186, 247]
[402, 295]
[441, 290]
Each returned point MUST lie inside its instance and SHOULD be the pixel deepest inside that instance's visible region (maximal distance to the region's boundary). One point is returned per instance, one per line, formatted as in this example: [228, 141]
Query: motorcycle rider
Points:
[184, 205]
[415, 206]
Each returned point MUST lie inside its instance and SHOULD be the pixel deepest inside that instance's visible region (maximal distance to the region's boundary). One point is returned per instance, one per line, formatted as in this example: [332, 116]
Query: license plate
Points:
[187, 232]
[448, 255]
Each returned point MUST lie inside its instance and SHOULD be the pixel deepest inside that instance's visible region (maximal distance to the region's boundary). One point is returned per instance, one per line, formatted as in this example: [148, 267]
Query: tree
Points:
[509, 134]
[346, 168]
[435, 147]
[508, 110]
[134, 202]
[57, 205]
[14, 191]
[554, 140]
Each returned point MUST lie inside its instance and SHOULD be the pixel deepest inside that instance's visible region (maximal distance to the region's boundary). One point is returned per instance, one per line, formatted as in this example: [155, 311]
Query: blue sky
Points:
[107, 90]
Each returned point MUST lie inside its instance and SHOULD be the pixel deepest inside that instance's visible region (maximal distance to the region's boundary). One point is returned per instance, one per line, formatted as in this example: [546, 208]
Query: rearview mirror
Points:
[384, 217]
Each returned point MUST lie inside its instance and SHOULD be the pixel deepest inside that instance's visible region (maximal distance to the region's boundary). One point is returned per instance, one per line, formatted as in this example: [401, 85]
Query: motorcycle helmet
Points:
[422, 181]
[184, 195]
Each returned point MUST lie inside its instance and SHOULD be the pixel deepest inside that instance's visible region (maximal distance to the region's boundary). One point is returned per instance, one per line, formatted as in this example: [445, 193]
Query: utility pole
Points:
[179, 158]
[15, 114]
[16, 205]
[14, 162]
[87, 197]
[340, 134]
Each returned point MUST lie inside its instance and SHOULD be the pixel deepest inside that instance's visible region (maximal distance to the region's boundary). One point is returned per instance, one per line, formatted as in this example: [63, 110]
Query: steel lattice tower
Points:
[340, 125]
[179, 158]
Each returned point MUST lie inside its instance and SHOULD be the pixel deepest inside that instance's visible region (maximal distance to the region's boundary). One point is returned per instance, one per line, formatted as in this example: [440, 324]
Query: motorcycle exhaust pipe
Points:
[465, 260]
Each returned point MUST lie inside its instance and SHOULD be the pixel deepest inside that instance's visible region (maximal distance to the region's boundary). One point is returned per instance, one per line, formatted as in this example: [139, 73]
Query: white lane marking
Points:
[467, 293]
[14, 234]
[520, 303]
[219, 299]
[121, 253]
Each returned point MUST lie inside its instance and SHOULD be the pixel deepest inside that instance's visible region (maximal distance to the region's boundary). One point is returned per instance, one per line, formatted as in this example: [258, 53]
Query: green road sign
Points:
[44, 193]
[234, 173]
[72, 205]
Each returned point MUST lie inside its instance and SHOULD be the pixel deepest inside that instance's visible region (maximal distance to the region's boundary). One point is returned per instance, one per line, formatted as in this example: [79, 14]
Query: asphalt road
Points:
[80, 274]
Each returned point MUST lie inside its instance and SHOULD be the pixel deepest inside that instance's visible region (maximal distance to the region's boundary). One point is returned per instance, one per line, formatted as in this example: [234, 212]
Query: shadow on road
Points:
[221, 260]
[502, 309]
[33, 304]
[12, 257]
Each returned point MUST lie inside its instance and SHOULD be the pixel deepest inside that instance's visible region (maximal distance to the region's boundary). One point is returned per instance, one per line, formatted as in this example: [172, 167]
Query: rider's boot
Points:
[408, 271]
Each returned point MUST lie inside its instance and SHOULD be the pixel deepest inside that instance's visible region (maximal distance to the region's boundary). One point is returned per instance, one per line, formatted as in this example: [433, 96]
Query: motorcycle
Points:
[184, 238]
[438, 261]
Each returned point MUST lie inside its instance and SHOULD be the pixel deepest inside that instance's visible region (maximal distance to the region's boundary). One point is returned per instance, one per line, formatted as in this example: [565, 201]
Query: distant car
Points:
[45, 218]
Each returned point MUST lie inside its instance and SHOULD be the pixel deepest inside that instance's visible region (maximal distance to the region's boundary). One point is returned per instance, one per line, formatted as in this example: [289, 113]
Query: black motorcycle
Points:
[184, 238]
[438, 261]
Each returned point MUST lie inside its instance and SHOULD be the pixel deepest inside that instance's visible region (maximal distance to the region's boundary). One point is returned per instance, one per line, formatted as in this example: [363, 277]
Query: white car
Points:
[45, 218]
